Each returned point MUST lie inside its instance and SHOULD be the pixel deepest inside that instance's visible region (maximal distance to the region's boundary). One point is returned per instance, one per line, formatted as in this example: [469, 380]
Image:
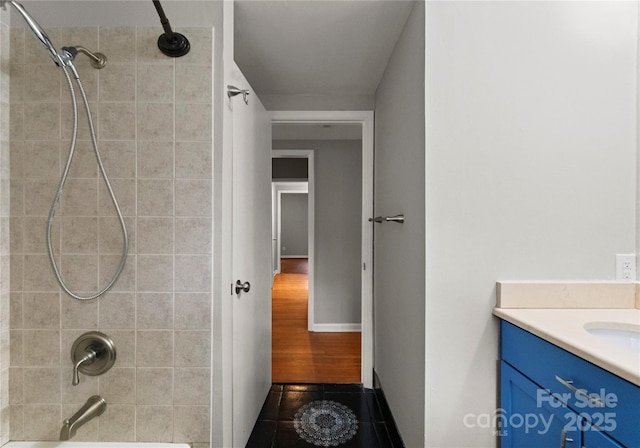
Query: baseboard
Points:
[335, 328]
[392, 427]
[294, 256]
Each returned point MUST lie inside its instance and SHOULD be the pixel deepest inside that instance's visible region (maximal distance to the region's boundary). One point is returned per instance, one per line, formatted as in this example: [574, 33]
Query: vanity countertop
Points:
[566, 329]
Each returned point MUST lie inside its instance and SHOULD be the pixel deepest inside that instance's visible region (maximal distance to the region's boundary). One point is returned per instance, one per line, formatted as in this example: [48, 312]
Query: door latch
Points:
[245, 287]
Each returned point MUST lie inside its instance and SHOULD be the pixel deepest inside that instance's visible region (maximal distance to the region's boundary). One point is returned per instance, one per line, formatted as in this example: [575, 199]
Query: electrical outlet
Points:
[625, 267]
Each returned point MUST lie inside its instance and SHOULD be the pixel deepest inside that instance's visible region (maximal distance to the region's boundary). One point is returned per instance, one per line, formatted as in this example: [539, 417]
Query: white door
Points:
[251, 260]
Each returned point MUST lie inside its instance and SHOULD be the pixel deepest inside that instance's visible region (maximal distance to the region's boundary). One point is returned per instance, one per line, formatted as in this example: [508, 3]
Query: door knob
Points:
[246, 286]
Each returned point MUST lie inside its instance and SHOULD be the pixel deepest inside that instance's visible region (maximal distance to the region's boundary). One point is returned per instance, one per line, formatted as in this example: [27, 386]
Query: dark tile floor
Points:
[275, 427]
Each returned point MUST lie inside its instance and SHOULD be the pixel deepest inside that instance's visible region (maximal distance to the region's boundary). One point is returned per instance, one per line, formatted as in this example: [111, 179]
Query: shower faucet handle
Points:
[93, 353]
[87, 359]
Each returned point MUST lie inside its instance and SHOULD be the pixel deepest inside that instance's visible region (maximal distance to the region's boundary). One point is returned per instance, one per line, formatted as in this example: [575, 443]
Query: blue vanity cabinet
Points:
[531, 418]
[609, 418]
[596, 439]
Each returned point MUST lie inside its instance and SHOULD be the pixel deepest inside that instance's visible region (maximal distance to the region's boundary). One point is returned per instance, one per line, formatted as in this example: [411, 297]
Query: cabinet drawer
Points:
[542, 362]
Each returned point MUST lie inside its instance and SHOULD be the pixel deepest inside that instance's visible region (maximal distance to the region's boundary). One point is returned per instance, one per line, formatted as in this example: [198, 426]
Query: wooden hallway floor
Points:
[301, 356]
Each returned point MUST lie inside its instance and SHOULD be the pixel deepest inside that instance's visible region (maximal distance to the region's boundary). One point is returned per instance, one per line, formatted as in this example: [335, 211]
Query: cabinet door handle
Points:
[564, 439]
[593, 398]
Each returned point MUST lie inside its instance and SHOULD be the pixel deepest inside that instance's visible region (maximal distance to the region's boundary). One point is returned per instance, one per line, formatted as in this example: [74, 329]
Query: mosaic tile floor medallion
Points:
[325, 423]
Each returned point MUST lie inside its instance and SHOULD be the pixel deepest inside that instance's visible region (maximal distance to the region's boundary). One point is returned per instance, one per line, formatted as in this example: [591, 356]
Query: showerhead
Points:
[35, 27]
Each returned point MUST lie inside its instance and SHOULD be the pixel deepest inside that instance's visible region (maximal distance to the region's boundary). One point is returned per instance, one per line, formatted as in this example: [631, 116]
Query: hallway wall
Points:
[338, 210]
[294, 234]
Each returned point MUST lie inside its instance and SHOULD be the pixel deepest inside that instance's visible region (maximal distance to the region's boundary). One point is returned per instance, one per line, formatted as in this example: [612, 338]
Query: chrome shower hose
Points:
[63, 179]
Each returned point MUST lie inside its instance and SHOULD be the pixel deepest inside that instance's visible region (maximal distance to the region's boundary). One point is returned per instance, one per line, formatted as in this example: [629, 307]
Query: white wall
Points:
[531, 175]
[399, 263]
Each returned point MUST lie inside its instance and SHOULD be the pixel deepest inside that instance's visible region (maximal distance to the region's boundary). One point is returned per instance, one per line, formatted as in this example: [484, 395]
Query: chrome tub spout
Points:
[94, 407]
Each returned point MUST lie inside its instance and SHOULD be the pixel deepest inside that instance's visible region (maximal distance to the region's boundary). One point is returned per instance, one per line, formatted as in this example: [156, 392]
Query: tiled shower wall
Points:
[153, 118]
[4, 228]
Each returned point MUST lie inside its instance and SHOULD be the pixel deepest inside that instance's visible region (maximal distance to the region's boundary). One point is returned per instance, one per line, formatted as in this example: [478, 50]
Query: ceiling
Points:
[316, 47]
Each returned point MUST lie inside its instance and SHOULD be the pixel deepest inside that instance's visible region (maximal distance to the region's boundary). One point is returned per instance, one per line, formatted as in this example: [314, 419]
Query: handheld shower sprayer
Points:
[64, 60]
[36, 28]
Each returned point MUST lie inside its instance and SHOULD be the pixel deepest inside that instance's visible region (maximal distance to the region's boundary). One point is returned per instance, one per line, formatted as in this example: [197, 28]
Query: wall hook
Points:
[233, 91]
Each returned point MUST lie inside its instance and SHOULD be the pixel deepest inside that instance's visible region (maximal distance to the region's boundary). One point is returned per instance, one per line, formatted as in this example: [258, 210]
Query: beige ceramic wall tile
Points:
[154, 386]
[16, 422]
[119, 158]
[84, 165]
[118, 44]
[193, 273]
[111, 239]
[17, 82]
[192, 311]
[191, 386]
[44, 348]
[154, 348]
[84, 133]
[16, 310]
[118, 425]
[36, 203]
[43, 159]
[79, 314]
[193, 83]
[155, 273]
[117, 312]
[193, 235]
[43, 421]
[78, 394]
[193, 198]
[155, 159]
[41, 121]
[117, 82]
[155, 83]
[154, 311]
[191, 424]
[35, 241]
[117, 121]
[125, 341]
[41, 310]
[154, 423]
[201, 48]
[16, 155]
[125, 193]
[80, 272]
[79, 234]
[16, 197]
[192, 348]
[155, 235]
[38, 277]
[42, 83]
[42, 385]
[155, 121]
[16, 348]
[193, 160]
[16, 46]
[127, 279]
[193, 122]
[118, 385]
[16, 385]
[155, 198]
[79, 198]
[16, 121]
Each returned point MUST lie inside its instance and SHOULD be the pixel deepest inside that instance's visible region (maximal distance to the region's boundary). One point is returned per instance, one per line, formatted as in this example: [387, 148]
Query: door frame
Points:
[365, 119]
[277, 190]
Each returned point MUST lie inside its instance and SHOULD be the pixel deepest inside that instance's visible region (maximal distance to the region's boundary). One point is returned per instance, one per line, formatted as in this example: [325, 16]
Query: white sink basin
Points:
[625, 336]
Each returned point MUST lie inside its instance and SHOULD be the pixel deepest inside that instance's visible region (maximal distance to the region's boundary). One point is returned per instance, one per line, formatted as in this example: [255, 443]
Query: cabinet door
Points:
[530, 418]
[596, 439]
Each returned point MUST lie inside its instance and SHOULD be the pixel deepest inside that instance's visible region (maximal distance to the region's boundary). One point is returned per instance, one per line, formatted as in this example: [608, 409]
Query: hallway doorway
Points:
[300, 355]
